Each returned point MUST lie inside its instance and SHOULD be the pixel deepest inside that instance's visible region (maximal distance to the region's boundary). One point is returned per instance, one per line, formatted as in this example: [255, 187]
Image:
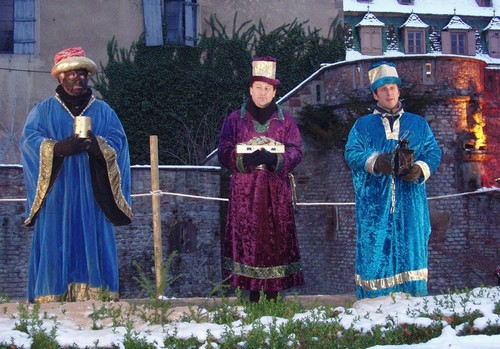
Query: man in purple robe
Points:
[78, 187]
[260, 144]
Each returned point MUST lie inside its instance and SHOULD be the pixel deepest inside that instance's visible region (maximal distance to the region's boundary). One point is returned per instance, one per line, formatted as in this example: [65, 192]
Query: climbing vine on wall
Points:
[182, 94]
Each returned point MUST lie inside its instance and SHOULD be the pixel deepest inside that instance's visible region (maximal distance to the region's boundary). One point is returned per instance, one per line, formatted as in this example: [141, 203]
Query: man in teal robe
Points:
[392, 215]
[77, 188]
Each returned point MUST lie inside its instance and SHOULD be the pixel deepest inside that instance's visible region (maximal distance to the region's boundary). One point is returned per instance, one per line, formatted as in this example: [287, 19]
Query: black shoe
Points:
[254, 296]
[271, 295]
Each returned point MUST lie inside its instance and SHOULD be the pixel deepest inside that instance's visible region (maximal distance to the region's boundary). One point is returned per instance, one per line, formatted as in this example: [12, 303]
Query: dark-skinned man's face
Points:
[74, 82]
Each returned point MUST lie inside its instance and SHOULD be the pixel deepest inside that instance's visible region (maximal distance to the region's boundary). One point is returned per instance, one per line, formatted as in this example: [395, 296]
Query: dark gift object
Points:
[403, 158]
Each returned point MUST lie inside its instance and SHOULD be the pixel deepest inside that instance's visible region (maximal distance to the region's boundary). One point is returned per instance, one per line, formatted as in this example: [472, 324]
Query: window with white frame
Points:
[415, 41]
[181, 18]
[17, 26]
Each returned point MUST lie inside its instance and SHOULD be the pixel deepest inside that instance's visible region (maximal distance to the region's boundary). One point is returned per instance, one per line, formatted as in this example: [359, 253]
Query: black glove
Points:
[260, 157]
[71, 145]
[383, 164]
[93, 149]
[252, 159]
[413, 174]
[268, 158]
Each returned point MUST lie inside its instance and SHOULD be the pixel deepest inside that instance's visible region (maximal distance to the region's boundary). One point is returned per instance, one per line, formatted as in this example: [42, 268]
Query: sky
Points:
[363, 316]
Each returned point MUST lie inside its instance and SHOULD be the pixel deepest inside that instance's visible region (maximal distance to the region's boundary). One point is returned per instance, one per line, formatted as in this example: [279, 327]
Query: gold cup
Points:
[83, 124]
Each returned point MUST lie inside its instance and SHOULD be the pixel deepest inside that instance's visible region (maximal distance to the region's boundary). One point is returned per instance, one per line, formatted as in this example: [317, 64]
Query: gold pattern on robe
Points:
[42, 185]
[280, 271]
[114, 176]
[78, 292]
[398, 279]
[45, 170]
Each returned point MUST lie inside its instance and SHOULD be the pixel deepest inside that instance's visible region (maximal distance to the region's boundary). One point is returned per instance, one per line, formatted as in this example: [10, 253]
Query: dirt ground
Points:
[78, 314]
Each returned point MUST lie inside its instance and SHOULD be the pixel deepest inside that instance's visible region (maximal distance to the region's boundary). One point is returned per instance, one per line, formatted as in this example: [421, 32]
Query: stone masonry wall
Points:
[190, 226]
[465, 245]
[464, 248]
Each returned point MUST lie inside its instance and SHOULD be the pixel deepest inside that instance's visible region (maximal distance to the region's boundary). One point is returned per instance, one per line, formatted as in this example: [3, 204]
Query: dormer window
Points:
[458, 38]
[370, 35]
[493, 37]
[414, 33]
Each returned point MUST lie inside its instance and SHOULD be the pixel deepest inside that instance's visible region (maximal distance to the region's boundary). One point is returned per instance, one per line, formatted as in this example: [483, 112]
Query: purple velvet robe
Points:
[261, 250]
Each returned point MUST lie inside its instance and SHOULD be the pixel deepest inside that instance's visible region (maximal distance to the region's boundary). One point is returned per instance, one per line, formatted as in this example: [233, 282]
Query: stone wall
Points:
[465, 245]
[463, 252]
[190, 226]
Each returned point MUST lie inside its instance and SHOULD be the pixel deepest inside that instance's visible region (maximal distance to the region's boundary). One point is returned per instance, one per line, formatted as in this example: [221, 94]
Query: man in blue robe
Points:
[392, 215]
[78, 187]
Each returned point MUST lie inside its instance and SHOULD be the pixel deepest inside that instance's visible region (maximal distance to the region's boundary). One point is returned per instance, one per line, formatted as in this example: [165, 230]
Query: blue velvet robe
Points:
[261, 250]
[72, 202]
[391, 248]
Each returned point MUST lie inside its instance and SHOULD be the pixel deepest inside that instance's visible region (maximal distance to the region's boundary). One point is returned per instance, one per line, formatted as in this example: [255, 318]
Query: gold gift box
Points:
[257, 143]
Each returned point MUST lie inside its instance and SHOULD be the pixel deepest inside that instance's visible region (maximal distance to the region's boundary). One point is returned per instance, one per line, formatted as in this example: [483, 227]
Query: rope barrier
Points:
[161, 193]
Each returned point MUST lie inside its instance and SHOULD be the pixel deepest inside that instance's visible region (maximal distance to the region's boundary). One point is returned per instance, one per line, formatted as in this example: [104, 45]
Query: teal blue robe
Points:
[73, 203]
[392, 216]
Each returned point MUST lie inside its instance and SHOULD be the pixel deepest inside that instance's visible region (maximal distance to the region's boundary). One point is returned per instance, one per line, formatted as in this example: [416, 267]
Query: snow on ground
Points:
[75, 330]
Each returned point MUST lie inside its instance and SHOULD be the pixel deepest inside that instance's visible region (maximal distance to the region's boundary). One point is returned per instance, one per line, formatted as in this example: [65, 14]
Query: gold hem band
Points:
[77, 292]
[398, 279]
[280, 271]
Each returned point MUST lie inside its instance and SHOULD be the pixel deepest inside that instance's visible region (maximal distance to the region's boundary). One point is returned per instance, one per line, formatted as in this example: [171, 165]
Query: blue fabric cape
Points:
[73, 252]
[391, 248]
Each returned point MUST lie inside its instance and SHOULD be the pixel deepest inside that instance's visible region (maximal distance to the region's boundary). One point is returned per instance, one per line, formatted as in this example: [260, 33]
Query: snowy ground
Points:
[75, 328]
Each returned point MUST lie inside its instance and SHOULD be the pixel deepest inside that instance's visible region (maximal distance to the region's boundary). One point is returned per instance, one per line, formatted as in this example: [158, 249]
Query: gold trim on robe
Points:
[398, 279]
[280, 271]
[78, 292]
[42, 185]
[45, 172]
[114, 176]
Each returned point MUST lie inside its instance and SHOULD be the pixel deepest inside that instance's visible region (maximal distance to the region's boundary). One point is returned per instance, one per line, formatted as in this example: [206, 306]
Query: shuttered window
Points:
[181, 20]
[6, 26]
[153, 32]
[459, 42]
[17, 26]
[371, 40]
[494, 43]
[179, 17]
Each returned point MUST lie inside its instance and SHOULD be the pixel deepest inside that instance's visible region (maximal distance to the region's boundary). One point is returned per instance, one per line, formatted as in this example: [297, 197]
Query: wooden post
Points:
[155, 187]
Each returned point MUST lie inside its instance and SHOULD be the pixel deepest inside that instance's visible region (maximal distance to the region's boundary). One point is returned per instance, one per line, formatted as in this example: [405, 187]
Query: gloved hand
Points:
[93, 149]
[71, 145]
[383, 164]
[412, 175]
[252, 159]
[260, 157]
[268, 158]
